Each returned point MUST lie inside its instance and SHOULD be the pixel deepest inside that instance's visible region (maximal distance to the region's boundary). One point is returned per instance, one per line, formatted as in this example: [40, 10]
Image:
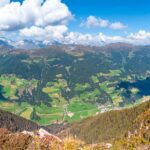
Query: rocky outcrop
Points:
[36, 140]
[14, 141]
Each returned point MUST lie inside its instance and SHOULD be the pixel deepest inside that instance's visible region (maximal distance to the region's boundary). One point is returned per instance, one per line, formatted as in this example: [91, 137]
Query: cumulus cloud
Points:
[47, 21]
[139, 38]
[50, 36]
[15, 16]
[48, 33]
[79, 38]
[140, 35]
[88, 39]
[117, 26]
[93, 21]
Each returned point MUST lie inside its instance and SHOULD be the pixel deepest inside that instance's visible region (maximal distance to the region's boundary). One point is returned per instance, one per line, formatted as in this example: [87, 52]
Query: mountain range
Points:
[66, 83]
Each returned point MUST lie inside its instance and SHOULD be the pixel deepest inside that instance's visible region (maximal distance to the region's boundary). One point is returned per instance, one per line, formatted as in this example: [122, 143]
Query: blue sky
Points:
[134, 13]
[109, 7]
[115, 19]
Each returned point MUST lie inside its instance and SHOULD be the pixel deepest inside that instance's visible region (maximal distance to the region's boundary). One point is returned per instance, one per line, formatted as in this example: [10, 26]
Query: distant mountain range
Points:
[5, 43]
[29, 44]
[22, 44]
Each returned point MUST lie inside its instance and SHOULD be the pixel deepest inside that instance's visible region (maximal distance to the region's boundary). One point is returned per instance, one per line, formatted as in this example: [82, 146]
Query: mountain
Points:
[22, 44]
[67, 83]
[114, 126]
[28, 44]
[5, 43]
[139, 136]
[14, 123]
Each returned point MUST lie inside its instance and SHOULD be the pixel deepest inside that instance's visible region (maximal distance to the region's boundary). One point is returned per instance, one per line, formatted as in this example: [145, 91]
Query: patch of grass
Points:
[48, 119]
[27, 113]
[54, 91]
[14, 107]
[95, 79]
[31, 61]
[79, 106]
[80, 110]
[115, 72]
[90, 95]
[12, 84]
[117, 99]
[111, 73]
[43, 109]
[81, 87]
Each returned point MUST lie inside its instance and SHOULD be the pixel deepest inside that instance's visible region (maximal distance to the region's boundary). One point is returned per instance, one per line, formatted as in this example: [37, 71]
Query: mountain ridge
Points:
[15, 123]
[109, 125]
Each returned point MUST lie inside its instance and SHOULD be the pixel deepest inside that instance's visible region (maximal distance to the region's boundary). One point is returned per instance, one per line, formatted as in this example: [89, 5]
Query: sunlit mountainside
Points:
[120, 129]
[69, 83]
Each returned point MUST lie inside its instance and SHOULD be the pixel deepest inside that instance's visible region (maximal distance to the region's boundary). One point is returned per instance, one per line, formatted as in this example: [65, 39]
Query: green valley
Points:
[56, 84]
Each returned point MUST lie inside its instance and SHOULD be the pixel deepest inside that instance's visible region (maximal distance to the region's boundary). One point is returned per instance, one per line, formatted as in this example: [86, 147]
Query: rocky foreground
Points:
[20, 134]
[42, 140]
[136, 139]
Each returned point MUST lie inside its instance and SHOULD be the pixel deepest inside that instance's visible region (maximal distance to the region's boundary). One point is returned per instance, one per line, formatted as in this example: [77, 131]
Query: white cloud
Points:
[78, 38]
[48, 33]
[15, 16]
[53, 12]
[47, 21]
[140, 35]
[92, 21]
[88, 39]
[60, 34]
[140, 38]
[117, 26]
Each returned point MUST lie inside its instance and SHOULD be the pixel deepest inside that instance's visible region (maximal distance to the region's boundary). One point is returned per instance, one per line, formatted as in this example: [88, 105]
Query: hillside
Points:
[138, 137]
[110, 125]
[14, 123]
[67, 83]
[122, 129]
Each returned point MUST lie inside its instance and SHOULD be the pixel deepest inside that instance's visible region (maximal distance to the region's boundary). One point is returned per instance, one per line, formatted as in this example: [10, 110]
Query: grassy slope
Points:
[107, 126]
